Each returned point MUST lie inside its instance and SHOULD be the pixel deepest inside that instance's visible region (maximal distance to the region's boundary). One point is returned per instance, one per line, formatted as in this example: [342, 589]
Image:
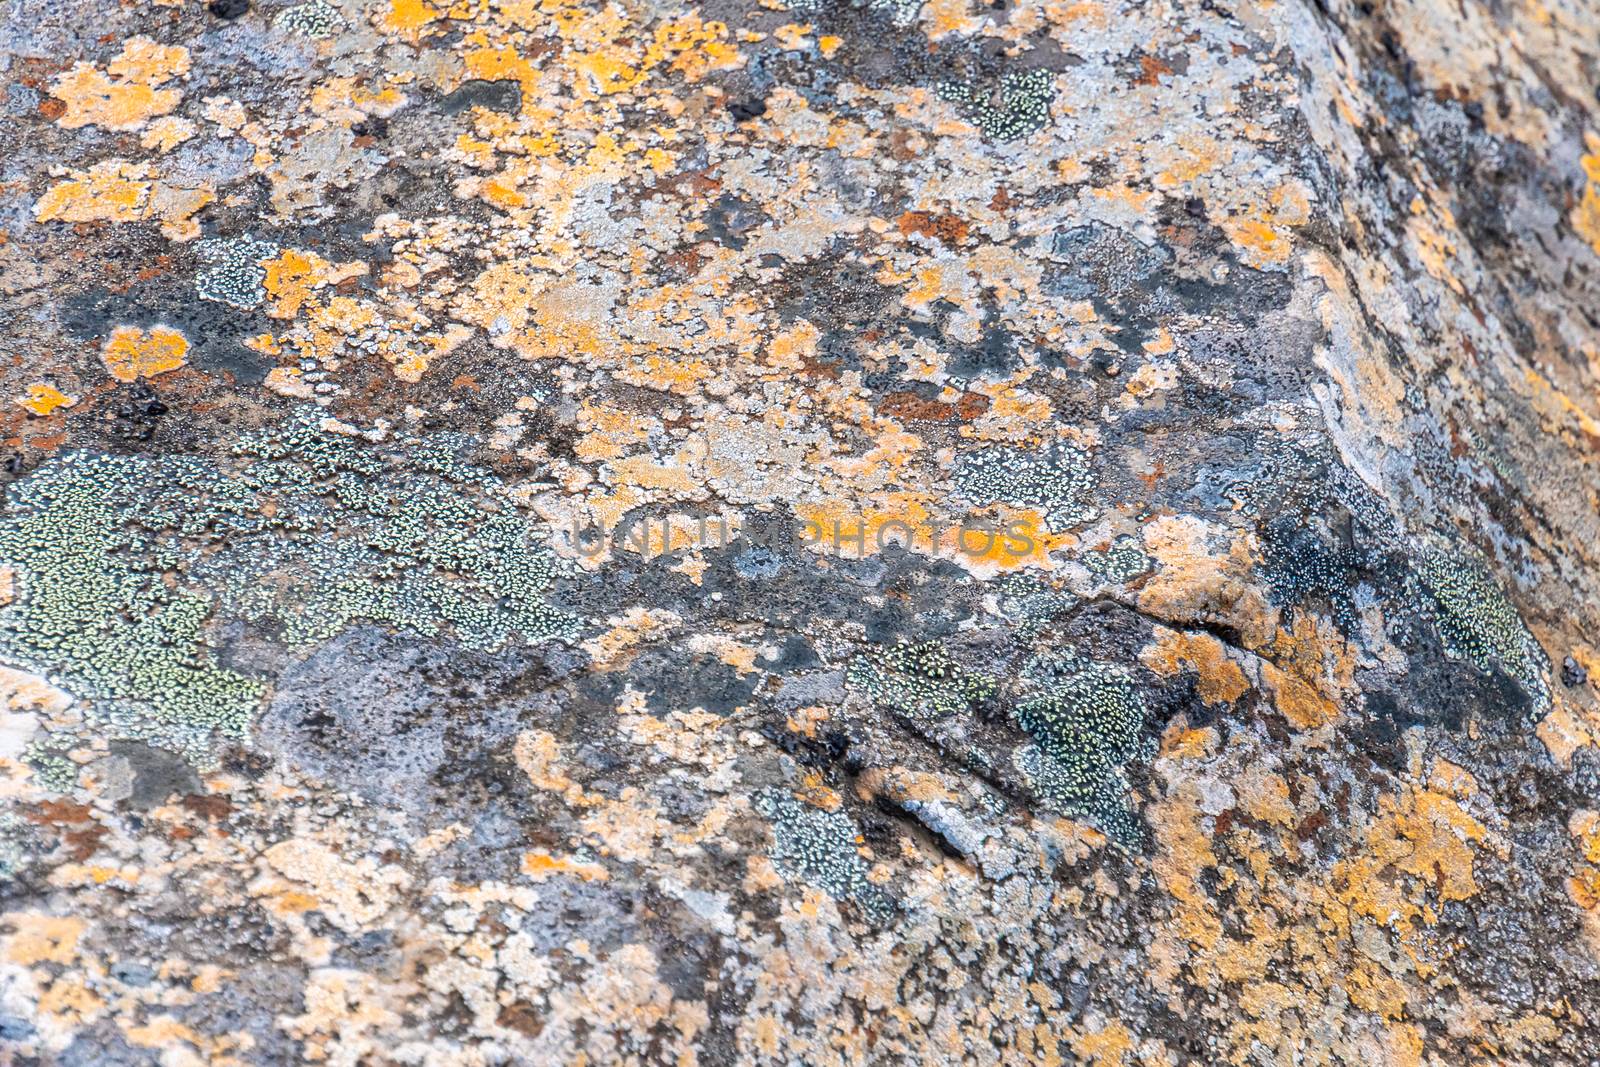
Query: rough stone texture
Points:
[484, 568]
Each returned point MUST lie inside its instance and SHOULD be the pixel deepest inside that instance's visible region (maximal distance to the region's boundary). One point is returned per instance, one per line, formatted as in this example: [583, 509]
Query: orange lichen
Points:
[1309, 669]
[538, 754]
[43, 398]
[125, 95]
[1205, 577]
[610, 650]
[1586, 215]
[165, 134]
[1221, 680]
[1108, 1046]
[118, 191]
[539, 865]
[113, 191]
[130, 353]
[37, 938]
[1352, 933]
[1264, 232]
[1422, 833]
[408, 17]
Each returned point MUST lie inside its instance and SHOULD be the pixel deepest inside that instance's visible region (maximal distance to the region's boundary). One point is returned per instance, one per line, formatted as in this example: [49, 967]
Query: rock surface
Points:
[803, 532]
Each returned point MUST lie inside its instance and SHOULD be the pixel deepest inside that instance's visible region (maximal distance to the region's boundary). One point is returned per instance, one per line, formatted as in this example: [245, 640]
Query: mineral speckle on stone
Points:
[807, 532]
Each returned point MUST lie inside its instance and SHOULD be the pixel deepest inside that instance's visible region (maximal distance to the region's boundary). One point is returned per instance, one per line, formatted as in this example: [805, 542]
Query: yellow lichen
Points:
[1586, 215]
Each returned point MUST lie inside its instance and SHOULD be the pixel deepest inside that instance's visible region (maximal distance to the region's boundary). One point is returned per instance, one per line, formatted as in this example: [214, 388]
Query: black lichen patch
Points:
[672, 680]
[215, 331]
[158, 774]
[502, 96]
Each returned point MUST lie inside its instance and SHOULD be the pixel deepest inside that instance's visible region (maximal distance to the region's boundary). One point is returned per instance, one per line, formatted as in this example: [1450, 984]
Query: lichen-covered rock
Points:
[801, 532]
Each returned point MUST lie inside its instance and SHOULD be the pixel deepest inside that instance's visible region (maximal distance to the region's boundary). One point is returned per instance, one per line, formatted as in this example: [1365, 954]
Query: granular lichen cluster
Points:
[918, 680]
[900, 13]
[1056, 479]
[820, 848]
[95, 611]
[316, 19]
[124, 561]
[1123, 561]
[1030, 600]
[1477, 623]
[12, 850]
[411, 536]
[1023, 104]
[1300, 564]
[1086, 719]
[235, 276]
[53, 769]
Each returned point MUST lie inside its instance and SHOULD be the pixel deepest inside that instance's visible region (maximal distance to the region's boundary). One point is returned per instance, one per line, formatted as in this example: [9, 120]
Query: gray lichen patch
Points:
[124, 561]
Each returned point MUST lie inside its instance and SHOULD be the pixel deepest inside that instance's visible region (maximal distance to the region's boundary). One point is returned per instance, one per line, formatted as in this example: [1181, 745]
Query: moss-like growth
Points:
[920, 680]
[820, 848]
[123, 561]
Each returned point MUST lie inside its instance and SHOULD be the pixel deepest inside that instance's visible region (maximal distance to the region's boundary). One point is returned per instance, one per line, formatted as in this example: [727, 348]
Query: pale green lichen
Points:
[124, 561]
[820, 848]
[52, 770]
[901, 13]
[918, 680]
[1122, 562]
[1057, 480]
[1023, 104]
[1032, 602]
[1477, 623]
[1086, 720]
